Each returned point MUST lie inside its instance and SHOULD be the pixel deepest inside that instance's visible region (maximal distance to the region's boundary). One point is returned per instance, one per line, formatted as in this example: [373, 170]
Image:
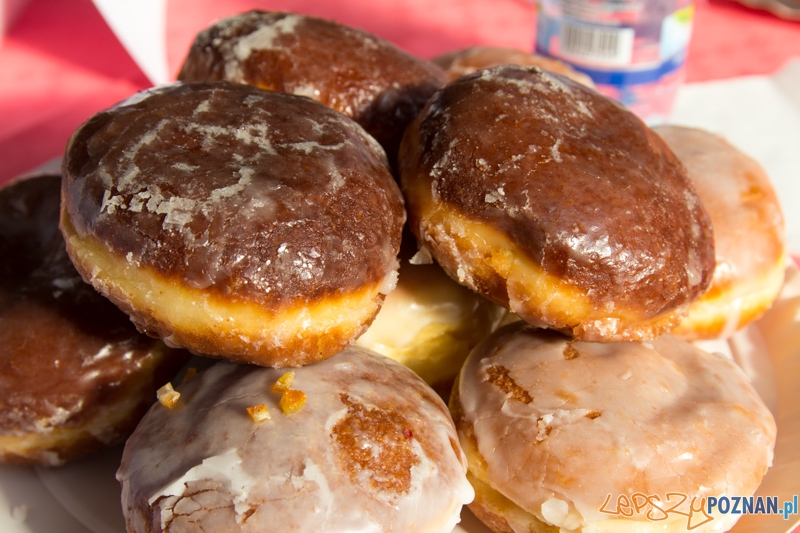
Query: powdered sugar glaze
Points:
[236, 190]
[358, 74]
[740, 198]
[372, 450]
[748, 223]
[577, 421]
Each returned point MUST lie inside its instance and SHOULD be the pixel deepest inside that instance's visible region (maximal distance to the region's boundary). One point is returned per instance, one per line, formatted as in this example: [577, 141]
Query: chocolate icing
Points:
[358, 74]
[581, 186]
[252, 195]
[68, 353]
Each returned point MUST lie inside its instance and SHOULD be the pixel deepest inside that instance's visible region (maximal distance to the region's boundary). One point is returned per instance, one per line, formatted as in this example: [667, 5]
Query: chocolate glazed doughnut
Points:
[551, 199]
[368, 79]
[228, 220]
[467, 60]
[75, 375]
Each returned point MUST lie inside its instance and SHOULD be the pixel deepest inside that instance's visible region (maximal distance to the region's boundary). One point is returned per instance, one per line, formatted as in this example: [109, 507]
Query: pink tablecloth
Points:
[60, 63]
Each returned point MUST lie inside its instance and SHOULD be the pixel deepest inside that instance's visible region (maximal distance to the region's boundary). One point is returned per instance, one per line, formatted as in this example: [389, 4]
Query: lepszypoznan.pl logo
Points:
[697, 510]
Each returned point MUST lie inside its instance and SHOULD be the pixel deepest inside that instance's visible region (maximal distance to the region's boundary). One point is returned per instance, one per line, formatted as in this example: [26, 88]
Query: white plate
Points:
[89, 490]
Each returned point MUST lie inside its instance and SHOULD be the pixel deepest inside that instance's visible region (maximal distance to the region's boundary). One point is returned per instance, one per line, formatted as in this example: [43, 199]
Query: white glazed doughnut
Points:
[748, 233]
[372, 449]
[561, 433]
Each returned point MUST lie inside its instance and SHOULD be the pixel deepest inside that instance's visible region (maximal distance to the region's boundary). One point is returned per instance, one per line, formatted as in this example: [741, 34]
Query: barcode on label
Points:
[605, 44]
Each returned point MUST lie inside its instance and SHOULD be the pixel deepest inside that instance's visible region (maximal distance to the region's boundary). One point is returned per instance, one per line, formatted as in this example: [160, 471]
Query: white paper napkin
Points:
[141, 27]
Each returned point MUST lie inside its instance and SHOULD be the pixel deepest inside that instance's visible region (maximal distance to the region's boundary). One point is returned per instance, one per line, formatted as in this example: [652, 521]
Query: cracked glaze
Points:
[369, 79]
[373, 449]
[245, 193]
[576, 421]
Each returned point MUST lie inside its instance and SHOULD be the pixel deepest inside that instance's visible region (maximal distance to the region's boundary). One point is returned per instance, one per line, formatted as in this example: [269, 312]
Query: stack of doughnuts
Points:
[75, 375]
[263, 228]
[559, 204]
[254, 211]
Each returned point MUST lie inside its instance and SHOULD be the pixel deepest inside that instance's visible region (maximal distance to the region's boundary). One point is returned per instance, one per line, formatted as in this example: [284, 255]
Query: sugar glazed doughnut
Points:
[227, 220]
[561, 433]
[369, 79]
[466, 61]
[748, 233]
[75, 375]
[372, 449]
[556, 202]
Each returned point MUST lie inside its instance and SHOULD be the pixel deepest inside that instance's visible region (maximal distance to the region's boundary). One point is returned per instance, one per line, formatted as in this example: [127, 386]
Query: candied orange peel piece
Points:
[259, 413]
[292, 401]
[284, 382]
[190, 373]
[168, 396]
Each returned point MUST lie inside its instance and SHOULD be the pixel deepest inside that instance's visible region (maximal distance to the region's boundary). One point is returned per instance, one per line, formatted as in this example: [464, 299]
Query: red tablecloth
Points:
[60, 63]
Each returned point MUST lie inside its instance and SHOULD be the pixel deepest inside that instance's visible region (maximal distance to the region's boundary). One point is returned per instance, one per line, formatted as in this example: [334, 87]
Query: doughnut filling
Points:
[466, 61]
[358, 74]
[552, 200]
[748, 233]
[75, 375]
[561, 433]
[228, 220]
[372, 449]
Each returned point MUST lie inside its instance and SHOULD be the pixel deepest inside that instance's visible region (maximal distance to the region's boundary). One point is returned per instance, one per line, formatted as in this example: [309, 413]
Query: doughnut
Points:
[228, 220]
[75, 375]
[430, 323]
[358, 74]
[606, 437]
[552, 200]
[372, 448]
[467, 60]
[748, 233]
